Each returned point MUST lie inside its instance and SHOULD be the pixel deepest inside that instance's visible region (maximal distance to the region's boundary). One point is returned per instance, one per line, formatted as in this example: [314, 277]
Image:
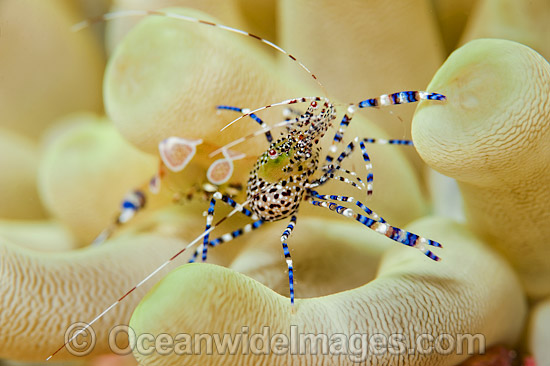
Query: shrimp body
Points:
[281, 176]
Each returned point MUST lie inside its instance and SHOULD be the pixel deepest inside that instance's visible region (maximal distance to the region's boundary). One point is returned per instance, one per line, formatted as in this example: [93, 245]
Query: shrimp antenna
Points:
[284, 102]
[130, 13]
[158, 269]
[251, 135]
[265, 129]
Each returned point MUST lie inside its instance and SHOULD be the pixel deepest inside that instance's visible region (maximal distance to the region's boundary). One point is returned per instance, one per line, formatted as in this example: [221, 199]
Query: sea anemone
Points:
[67, 168]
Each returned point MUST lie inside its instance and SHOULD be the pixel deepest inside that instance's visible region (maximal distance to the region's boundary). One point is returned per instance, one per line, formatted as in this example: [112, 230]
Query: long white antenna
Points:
[131, 13]
[113, 305]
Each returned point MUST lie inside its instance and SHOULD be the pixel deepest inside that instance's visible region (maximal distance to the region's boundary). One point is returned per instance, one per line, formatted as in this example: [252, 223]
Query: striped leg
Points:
[402, 97]
[299, 121]
[210, 216]
[366, 158]
[368, 167]
[331, 168]
[346, 180]
[327, 197]
[228, 237]
[268, 135]
[288, 258]
[384, 228]
[353, 174]
[391, 141]
[133, 202]
[286, 102]
[339, 135]
[236, 233]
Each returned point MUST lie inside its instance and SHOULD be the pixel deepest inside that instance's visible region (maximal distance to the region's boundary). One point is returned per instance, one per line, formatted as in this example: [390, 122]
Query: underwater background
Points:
[82, 114]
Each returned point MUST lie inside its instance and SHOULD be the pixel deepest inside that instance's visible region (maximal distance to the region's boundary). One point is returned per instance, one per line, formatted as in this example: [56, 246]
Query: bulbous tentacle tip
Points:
[221, 290]
[178, 96]
[79, 177]
[497, 109]
[493, 136]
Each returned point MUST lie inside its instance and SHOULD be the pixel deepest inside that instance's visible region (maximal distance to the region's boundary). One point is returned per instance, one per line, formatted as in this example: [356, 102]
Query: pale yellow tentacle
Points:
[472, 291]
[493, 136]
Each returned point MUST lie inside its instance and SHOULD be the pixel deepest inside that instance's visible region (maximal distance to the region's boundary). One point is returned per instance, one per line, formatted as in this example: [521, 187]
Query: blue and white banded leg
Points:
[331, 167]
[379, 225]
[345, 180]
[226, 237]
[288, 258]
[268, 135]
[386, 141]
[332, 197]
[236, 233]
[133, 202]
[339, 135]
[402, 97]
[366, 158]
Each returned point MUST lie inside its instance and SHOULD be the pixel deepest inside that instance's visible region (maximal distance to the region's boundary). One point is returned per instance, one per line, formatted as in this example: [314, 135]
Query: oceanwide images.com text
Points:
[357, 346]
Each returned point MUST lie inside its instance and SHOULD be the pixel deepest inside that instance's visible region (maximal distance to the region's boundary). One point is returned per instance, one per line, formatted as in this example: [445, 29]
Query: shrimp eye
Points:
[272, 154]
